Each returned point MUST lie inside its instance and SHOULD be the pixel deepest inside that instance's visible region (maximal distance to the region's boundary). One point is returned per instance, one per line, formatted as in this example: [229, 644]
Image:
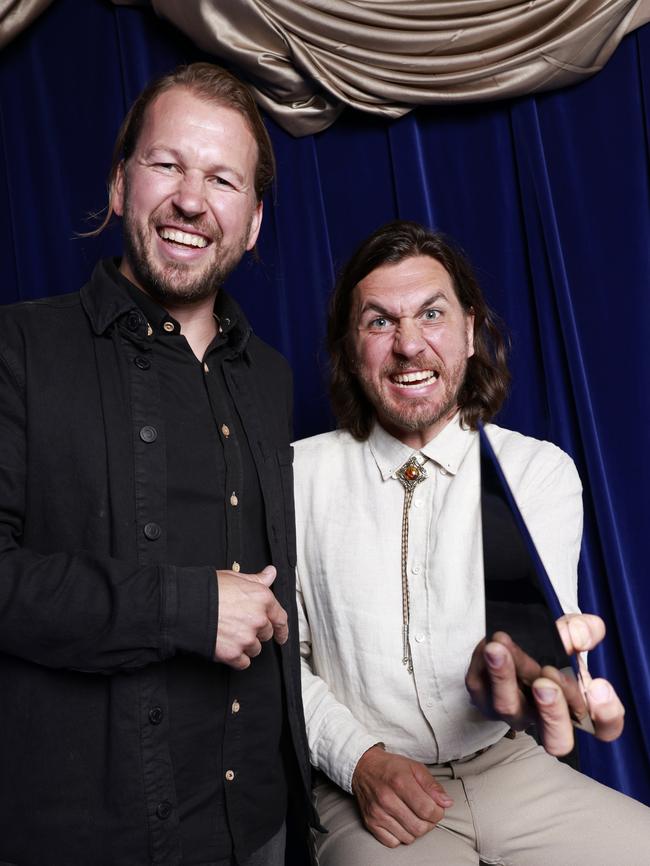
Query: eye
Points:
[431, 315]
[379, 323]
[221, 181]
[166, 166]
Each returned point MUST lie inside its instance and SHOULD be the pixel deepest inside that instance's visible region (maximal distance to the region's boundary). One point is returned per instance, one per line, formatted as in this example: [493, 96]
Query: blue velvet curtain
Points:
[548, 195]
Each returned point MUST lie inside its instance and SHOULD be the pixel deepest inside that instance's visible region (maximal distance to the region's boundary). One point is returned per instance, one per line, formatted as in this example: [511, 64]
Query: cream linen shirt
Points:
[356, 691]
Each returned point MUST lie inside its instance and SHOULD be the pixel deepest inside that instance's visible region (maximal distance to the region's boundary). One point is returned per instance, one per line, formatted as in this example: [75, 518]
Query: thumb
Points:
[433, 788]
[266, 575]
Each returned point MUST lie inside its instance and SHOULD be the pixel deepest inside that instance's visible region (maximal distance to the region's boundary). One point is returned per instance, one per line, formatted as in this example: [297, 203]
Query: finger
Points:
[554, 721]
[507, 699]
[280, 622]
[253, 648]
[571, 689]
[384, 836]
[265, 632]
[477, 682]
[606, 710]
[526, 668]
[580, 631]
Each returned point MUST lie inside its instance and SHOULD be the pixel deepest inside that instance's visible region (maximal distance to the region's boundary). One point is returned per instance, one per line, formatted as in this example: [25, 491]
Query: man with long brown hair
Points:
[414, 721]
[149, 667]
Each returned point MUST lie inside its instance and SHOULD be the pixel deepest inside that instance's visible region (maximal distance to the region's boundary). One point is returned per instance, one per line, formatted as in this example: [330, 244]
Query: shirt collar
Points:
[109, 295]
[447, 449]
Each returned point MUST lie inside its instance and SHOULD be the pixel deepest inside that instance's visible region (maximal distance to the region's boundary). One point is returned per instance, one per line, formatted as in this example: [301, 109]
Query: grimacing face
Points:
[187, 198]
[410, 341]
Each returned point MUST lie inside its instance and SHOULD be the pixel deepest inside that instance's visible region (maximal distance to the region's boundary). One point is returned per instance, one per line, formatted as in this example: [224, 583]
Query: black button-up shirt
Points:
[121, 740]
[227, 766]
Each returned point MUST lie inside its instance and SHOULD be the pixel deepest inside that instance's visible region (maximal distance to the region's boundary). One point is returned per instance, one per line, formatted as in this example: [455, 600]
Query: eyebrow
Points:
[377, 308]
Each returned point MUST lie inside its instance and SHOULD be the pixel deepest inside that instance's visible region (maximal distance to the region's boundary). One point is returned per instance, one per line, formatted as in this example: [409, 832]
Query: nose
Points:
[189, 195]
[409, 341]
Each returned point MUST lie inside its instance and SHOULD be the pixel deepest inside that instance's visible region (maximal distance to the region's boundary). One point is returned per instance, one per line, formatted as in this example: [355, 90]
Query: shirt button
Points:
[164, 810]
[417, 568]
[225, 322]
[420, 638]
[149, 330]
[236, 706]
[230, 775]
[443, 471]
[225, 429]
[148, 434]
[156, 715]
[233, 499]
[142, 363]
[417, 503]
[236, 566]
[168, 326]
[152, 531]
[133, 321]
[206, 369]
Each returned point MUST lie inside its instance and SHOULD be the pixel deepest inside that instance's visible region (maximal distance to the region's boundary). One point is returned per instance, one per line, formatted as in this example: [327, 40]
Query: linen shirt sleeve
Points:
[336, 739]
[79, 610]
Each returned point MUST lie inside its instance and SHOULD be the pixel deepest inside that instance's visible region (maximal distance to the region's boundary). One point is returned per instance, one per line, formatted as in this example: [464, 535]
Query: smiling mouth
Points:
[182, 239]
[419, 377]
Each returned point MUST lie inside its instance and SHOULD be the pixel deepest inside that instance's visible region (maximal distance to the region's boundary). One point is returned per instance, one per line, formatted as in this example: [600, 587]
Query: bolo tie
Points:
[409, 475]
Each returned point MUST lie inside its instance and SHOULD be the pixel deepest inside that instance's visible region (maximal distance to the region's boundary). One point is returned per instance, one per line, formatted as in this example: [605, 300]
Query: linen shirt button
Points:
[164, 810]
[225, 429]
[417, 503]
[152, 531]
[142, 363]
[156, 715]
[417, 568]
[168, 326]
[236, 706]
[233, 499]
[230, 775]
[148, 434]
[236, 566]
[420, 638]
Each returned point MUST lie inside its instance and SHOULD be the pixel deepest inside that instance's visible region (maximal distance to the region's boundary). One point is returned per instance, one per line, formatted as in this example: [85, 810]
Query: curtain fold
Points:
[307, 60]
[16, 15]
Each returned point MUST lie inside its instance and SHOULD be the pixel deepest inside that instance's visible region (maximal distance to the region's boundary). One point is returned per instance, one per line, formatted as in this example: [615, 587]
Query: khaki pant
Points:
[514, 805]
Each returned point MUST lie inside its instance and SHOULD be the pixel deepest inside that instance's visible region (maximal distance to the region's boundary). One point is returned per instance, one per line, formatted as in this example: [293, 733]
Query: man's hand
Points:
[398, 798]
[507, 684]
[249, 613]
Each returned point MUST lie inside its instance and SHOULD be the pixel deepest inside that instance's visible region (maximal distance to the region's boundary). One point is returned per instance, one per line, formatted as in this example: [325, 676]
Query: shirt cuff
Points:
[189, 611]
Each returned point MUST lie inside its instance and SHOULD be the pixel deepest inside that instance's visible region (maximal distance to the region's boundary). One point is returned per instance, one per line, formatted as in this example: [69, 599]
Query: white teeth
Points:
[421, 377]
[183, 238]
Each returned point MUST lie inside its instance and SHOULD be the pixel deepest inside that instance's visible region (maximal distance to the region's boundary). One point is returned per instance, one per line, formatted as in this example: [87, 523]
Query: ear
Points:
[117, 190]
[256, 224]
[469, 325]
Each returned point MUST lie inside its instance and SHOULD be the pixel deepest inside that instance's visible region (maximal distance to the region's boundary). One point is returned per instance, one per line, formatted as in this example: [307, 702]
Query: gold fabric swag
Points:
[307, 59]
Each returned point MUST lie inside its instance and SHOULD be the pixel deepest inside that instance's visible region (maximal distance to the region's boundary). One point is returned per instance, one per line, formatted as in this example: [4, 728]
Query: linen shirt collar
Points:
[447, 449]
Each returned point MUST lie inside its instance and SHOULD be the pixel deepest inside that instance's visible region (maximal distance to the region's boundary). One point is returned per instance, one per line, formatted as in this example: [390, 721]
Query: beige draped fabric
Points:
[308, 58]
[15, 15]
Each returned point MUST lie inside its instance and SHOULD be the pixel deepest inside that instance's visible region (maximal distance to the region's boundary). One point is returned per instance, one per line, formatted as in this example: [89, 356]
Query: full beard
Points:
[178, 282]
[415, 415]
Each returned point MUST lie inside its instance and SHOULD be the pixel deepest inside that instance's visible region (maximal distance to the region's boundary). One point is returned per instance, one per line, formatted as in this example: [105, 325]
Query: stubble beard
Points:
[178, 282]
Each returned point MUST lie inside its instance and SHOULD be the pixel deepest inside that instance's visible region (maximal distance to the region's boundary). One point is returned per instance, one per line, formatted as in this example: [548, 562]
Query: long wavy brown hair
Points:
[208, 82]
[487, 377]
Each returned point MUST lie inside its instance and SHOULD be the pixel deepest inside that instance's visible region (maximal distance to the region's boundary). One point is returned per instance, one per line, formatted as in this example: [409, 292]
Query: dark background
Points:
[547, 194]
